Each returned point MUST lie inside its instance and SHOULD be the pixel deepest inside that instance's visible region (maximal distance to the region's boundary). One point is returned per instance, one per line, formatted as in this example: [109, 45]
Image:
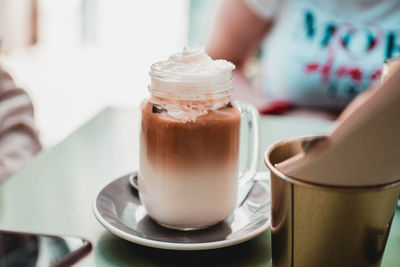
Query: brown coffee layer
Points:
[211, 139]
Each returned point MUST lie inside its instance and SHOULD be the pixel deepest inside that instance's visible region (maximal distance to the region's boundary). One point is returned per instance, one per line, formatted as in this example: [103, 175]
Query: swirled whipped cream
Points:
[191, 75]
[190, 83]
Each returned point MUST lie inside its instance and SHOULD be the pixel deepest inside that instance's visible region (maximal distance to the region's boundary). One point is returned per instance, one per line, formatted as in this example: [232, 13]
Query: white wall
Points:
[70, 80]
[15, 23]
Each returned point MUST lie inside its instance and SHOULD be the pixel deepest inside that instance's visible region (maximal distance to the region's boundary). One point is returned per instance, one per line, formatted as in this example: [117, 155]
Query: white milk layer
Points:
[194, 198]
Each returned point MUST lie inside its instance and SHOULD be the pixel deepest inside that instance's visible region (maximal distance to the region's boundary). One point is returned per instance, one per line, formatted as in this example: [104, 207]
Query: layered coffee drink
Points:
[189, 142]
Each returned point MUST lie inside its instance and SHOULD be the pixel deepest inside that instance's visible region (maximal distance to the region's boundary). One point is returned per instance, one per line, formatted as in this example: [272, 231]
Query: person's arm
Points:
[237, 33]
[19, 140]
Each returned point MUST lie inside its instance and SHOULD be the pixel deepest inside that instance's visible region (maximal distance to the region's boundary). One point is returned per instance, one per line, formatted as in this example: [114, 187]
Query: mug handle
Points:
[250, 113]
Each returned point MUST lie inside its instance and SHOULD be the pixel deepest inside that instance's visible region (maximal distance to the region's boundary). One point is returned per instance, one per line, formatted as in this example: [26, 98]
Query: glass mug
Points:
[189, 143]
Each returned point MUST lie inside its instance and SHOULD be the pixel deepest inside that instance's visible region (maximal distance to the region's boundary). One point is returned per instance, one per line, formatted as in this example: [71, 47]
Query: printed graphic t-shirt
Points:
[322, 53]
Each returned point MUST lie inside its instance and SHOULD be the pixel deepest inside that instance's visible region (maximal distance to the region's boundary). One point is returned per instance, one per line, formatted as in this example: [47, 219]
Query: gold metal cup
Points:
[319, 225]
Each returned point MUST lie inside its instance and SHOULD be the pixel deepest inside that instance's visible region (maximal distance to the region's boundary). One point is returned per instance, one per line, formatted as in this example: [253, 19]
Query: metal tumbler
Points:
[319, 225]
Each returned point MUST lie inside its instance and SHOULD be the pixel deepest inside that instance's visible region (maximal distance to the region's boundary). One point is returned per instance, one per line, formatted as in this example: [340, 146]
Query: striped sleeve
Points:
[19, 140]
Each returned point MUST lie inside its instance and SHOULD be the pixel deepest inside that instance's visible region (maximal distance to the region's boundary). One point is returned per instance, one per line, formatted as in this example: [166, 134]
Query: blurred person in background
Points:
[19, 140]
[316, 55]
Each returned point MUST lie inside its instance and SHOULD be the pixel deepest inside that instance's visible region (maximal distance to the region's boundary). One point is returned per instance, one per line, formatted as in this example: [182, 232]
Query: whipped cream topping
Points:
[190, 83]
[191, 75]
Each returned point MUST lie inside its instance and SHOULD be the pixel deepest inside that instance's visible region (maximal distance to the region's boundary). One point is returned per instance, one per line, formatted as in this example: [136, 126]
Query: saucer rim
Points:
[170, 245]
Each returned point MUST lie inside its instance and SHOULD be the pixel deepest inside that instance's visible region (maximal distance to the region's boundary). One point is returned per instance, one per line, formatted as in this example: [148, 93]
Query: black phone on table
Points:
[34, 250]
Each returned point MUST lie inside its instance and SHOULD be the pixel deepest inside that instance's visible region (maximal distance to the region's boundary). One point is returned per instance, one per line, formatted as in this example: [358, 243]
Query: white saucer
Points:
[117, 207]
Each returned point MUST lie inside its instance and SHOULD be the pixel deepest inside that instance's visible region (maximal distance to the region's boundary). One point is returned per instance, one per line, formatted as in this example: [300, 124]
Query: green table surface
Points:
[54, 194]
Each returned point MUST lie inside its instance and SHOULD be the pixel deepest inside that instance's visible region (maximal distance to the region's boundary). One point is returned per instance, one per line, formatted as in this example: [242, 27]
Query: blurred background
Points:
[76, 57]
